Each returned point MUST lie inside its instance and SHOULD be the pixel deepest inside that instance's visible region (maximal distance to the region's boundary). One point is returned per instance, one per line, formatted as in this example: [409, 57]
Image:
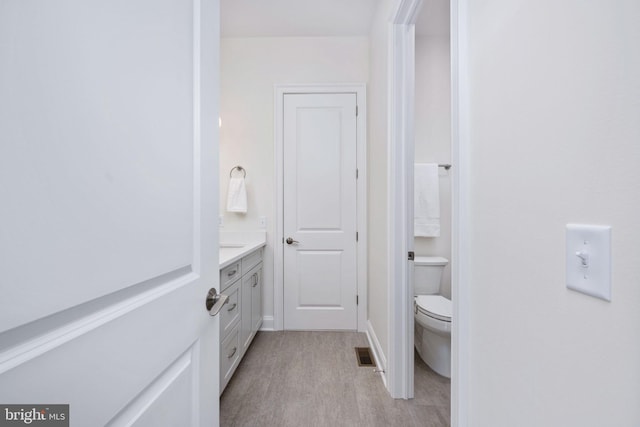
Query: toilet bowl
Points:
[432, 313]
[433, 332]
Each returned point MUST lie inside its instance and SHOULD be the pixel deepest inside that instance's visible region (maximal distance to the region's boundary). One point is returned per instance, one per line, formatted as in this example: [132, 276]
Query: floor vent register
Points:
[363, 354]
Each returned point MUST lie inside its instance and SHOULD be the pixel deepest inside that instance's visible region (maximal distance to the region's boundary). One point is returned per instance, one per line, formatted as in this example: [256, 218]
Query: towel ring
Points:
[240, 169]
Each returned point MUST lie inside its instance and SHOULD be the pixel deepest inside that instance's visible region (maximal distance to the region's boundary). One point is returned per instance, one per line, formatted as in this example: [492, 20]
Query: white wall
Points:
[433, 136]
[250, 67]
[555, 138]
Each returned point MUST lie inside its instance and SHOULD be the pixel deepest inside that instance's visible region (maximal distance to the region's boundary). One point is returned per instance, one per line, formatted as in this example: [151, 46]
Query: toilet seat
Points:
[434, 306]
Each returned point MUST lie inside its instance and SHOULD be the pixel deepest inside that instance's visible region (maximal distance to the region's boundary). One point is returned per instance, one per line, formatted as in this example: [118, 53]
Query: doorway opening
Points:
[401, 163]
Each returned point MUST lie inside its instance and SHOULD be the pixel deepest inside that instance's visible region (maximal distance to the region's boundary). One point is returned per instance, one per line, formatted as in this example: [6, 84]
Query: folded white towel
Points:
[426, 200]
[237, 197]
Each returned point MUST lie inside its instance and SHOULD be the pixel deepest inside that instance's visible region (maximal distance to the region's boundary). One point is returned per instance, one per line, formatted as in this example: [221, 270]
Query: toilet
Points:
[432, 315]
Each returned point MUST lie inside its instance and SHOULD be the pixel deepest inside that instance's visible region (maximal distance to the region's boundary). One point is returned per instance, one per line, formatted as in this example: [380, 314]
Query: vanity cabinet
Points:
[241, 316]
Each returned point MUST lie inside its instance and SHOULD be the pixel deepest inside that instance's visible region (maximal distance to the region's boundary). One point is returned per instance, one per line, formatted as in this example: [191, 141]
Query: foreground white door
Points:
[320, 280]
[108, 200]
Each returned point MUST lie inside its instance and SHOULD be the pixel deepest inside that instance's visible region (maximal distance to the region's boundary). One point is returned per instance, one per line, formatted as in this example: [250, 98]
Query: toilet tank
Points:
[427, 274]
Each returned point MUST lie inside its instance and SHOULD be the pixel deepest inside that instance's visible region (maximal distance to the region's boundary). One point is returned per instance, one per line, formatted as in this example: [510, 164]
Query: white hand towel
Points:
[426, 200]
[237, 197]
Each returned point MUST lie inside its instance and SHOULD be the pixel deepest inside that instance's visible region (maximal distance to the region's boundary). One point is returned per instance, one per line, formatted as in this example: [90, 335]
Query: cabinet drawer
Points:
[230, 312]
[251, 260]
[229, 356]
[230, 274]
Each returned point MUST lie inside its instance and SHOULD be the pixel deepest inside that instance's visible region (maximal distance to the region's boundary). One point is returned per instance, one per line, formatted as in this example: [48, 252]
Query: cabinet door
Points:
[245, 322]
[256, 302]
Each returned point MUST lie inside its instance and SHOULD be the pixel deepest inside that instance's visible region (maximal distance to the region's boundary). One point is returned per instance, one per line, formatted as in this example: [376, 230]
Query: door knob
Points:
[291, 241]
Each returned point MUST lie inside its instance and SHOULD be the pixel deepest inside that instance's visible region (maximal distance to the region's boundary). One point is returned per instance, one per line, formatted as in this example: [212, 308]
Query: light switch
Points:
[588, 260]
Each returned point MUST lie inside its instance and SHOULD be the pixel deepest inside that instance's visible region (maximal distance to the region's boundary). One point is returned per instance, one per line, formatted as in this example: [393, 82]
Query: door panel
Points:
[320, 211]
[167, 401]
[318, 168]
[85, 148]
[106, 255]
[322, 273]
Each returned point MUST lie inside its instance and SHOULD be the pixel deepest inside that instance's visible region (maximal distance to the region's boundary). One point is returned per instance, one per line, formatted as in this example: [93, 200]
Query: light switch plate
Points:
[588, 257]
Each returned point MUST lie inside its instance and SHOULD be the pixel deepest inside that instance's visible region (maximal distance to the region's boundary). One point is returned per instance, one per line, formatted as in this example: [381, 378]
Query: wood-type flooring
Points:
[304, 379]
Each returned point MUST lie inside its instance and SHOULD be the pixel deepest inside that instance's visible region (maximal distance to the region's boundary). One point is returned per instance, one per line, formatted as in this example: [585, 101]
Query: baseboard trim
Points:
[378, 354]
[267, 323]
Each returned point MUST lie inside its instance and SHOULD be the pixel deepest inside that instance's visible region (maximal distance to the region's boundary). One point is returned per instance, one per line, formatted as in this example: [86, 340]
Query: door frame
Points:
[401, 124]
[361, 204]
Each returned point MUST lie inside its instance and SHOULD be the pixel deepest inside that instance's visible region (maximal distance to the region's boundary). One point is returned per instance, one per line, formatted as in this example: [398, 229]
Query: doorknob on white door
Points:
[291, 241]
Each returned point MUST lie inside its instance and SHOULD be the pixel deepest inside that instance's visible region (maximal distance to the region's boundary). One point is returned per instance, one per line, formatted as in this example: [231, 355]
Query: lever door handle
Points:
[215, 301]
[290, 241]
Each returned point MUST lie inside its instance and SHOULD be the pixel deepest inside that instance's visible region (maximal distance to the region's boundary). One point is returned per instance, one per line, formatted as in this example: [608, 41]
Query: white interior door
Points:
[320, 280]
[108, 183]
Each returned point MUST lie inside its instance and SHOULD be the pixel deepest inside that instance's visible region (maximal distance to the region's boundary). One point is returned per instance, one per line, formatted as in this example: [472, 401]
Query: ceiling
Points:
[289, 18]
[318, 18]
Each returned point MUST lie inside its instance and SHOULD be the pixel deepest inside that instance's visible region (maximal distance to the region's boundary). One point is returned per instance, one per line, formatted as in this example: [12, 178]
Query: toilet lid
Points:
[435, 306]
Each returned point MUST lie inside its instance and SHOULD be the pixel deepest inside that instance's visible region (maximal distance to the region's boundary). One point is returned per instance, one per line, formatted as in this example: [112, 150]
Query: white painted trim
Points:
[400, 197]
[461, 148]
[361, 163]
[401, 117]
[378, 354]
[267, 323]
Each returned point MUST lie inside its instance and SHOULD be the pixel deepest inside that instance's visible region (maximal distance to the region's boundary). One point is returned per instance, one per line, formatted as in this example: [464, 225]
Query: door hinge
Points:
[356, 111]
[356, 236]
[412, 256]
[357, 300]
[357, 173]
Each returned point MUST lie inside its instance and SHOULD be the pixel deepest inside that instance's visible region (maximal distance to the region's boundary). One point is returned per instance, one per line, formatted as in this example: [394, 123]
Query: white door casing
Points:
[320, 273]
[108, 182]
[400, 370]
[279, 92]
[401, 82]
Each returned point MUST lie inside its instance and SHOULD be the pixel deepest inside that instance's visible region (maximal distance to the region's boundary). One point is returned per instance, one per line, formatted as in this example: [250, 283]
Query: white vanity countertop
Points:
[236, 244]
